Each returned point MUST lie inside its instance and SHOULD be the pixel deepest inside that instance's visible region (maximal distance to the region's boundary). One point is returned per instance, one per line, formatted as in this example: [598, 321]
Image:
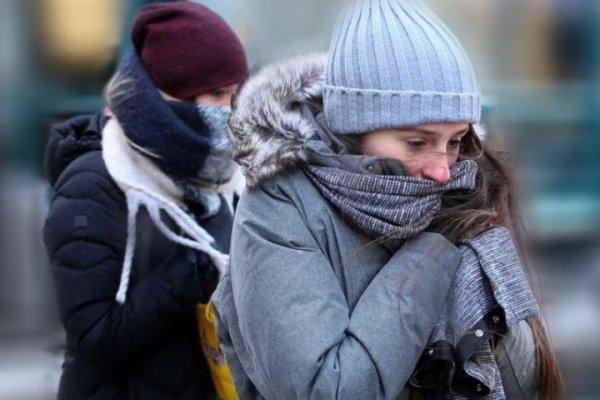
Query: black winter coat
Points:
[148, 347]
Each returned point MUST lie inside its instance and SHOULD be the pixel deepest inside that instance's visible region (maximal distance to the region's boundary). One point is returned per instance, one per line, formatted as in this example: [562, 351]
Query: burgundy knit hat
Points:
[187, 49]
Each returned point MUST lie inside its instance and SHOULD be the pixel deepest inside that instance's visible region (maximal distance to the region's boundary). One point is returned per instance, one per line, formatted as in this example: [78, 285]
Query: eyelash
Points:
[455, 143]
[417, 144]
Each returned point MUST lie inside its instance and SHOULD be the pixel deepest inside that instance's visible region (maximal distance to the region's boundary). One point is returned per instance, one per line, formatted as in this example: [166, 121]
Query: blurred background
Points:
[539, 67]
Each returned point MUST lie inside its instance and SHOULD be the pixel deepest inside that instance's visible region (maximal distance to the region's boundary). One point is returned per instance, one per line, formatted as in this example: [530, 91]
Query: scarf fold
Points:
[488, 295]
[171, 133]
[189, 142]
[389, 208]
[219, 166]
[185, 140]
[146, 185]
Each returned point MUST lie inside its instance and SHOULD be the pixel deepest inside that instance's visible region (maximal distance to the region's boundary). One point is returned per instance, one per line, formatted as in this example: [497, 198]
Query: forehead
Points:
[439, 129]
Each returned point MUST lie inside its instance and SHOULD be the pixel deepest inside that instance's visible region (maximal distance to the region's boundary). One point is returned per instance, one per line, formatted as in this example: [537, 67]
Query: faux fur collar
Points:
[267, 128]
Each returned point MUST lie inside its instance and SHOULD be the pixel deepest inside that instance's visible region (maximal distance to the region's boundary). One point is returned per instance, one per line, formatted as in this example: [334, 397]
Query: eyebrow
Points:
[428, 132]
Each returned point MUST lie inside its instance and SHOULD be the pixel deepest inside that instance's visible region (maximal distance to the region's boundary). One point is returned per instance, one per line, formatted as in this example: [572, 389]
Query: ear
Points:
[480, 131]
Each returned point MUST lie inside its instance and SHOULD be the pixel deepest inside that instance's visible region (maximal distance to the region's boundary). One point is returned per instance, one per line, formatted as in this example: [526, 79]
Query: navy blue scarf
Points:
[173, 132]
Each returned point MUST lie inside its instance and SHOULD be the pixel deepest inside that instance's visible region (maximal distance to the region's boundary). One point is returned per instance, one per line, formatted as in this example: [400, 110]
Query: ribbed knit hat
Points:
[187, 49]
[393, 63]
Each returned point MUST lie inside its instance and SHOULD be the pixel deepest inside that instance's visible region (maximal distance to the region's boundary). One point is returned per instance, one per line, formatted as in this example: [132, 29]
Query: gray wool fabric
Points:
[490, 275]
[391, 208]
[489, 282]
[393, 63]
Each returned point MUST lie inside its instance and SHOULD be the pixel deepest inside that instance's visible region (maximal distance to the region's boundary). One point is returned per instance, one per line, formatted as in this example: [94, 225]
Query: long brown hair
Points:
[469, 213]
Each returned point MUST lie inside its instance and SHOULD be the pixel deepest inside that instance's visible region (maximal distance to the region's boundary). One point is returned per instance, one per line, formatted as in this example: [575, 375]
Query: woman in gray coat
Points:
[372, 255]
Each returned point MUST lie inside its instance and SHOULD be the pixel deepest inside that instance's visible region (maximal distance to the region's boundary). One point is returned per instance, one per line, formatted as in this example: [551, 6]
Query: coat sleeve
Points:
[83, 234]
[292, 331]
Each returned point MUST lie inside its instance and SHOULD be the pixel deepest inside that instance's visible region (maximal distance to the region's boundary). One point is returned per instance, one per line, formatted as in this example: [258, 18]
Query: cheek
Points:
[452, 159]
[414, 168]
[452, 155]
[384, 147]
[227, 100]
[210, 100]
[203, 99]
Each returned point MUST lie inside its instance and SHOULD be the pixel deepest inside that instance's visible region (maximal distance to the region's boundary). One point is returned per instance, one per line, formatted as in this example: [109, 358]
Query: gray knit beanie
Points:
[393, 63]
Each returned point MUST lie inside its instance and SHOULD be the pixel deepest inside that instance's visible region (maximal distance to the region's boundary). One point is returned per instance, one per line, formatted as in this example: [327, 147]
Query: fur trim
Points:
[266, 126]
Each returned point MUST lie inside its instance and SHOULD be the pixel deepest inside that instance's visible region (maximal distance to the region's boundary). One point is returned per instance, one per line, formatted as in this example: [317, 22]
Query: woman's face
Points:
[426, 151]
[218, 97]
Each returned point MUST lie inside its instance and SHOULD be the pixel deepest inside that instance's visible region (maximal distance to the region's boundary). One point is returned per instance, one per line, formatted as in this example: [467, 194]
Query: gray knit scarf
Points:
[489, 293]
[389, 208]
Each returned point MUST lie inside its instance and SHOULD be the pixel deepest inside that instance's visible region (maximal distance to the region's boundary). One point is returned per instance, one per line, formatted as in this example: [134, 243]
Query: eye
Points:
[455, 143]
[416, 144]
[217, 93]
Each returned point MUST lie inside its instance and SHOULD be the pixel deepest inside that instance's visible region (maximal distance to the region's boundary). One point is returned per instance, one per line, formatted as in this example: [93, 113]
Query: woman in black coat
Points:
[138, 229]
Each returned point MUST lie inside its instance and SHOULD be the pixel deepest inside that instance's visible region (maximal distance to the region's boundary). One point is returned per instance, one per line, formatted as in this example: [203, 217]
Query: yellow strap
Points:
[219, 370]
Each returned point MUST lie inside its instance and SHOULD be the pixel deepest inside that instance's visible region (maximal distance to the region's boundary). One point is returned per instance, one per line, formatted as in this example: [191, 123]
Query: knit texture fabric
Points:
[186, 141]
[488, 295]
[390, 208]
[393, 63]
[146, 186]
[187, 49]
[173, 134]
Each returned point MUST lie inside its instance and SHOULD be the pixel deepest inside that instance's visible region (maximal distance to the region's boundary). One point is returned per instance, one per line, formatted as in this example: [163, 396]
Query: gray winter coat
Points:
[312, 308]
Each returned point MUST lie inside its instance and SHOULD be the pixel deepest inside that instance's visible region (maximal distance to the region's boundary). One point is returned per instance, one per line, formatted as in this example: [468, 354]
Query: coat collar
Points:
[267, 127]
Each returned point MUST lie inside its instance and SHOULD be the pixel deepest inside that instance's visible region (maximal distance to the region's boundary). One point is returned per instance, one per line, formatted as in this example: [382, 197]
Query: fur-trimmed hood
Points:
[268, 129]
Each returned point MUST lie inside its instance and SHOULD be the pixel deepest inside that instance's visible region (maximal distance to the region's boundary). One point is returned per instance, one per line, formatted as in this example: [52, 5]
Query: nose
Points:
[437, 169]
